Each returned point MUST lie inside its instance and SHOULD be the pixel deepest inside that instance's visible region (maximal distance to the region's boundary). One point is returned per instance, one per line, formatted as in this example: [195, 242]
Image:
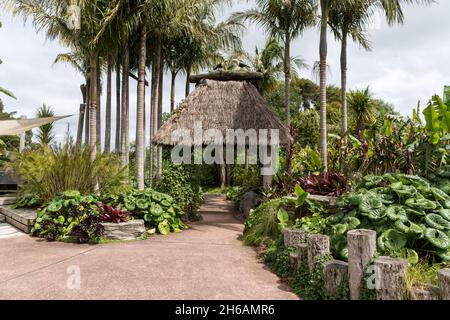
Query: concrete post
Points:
[318, 247]
[293, 237]
[444, 283]
[361, 249]
[334, 272]
[390, 273]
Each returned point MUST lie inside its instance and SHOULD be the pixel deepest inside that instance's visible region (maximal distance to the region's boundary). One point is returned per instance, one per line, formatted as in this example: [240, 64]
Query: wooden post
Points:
[444, 283]
[361, 249]
[318, 247]
[390, 273]
[334, 272]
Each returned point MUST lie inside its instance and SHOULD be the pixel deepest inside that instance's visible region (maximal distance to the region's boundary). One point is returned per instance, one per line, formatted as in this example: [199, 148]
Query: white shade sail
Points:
[15, 127]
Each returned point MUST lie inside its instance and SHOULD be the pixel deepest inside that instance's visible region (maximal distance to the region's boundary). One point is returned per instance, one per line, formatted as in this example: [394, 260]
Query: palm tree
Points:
[349, 18]
[51, 16]
[79, 63]
[285, 20]
[393, 9]
[46, 133]
[363, 108]
[3, 90]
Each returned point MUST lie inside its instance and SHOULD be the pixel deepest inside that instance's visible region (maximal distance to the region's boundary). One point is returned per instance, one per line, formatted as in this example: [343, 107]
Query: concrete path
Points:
[207, 261]
[8, 231]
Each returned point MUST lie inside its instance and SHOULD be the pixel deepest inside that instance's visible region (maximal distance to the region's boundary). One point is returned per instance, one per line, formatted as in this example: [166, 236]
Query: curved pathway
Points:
[206, 261]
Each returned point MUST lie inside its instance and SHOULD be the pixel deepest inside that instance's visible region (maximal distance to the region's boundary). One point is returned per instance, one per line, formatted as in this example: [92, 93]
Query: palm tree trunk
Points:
[155, 100]
[287, 80]
[118, 102]
[160, 112]
[84, 90]
[99, 106]
[124, 127]
[80, 125]
[108, 108]
[344, 126]
[86, 115]
[140, 115]
[188, 84]
[172, 91]
[93, 110]
[323, 91]
[152, 108]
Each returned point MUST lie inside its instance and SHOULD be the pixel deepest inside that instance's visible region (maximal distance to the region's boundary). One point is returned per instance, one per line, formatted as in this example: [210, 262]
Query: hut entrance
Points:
[226, 113]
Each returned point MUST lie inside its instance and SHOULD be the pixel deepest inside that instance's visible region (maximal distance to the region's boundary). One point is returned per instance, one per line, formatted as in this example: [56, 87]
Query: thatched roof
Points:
[222, 105]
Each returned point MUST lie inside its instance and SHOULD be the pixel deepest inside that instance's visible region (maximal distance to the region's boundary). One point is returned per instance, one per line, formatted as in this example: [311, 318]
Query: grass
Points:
[421, 274]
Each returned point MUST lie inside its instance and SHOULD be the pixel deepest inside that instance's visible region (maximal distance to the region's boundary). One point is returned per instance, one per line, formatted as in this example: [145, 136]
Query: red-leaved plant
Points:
[325, 184]
[111, 214]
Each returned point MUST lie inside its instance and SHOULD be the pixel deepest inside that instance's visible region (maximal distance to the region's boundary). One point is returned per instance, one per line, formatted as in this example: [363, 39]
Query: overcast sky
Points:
[408, 63]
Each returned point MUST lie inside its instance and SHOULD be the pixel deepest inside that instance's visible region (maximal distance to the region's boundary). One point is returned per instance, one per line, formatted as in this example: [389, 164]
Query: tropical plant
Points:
[48, 172]
[3, 90]
[363, 107]
[285, 20]
[262, 224]
[69, 217]
[410, 215]
[349, 18]
[45, 134]
[157, 209]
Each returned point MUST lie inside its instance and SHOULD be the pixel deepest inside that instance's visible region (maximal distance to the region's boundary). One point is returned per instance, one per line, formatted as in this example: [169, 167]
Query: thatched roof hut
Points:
[230, 101]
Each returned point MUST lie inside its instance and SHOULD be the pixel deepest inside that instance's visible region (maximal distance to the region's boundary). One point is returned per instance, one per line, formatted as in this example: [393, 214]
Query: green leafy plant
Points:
[157, 209]
[48, 172]
[181, 183]
[262, 224]
[410, 215]
[69, 217]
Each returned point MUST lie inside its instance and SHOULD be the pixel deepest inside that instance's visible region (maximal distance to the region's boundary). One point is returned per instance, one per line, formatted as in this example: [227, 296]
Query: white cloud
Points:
[407, 63]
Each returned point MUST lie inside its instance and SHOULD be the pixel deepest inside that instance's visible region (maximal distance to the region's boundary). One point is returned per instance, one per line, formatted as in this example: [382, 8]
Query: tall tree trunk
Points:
[155, 101]
[287, 80]
[172, 91]
[140, 115]
[188, 84]
[99, 106]
[151, 124]
[323, 89]
[87, 112]
[84, 90]
[344, 125]
[160, 111]
[125, 123]
[108, 108]
[80, 125]
[118, 108]
[93, 110]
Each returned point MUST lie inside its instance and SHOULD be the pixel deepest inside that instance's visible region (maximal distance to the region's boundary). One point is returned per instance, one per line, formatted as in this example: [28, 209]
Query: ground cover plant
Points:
[410, 214]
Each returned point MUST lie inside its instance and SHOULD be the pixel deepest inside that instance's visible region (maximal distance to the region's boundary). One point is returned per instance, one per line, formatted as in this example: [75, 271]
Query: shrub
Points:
[179, 181]
[48, 172]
